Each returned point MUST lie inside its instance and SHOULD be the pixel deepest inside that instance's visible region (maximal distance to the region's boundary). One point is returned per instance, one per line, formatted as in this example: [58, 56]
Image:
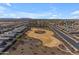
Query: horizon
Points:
[40, 10]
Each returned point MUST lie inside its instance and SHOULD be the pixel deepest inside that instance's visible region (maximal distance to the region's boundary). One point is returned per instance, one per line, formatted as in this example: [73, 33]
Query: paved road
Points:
[67, 39]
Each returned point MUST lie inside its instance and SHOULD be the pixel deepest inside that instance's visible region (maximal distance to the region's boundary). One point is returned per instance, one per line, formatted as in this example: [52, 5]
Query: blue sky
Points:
[39, 10]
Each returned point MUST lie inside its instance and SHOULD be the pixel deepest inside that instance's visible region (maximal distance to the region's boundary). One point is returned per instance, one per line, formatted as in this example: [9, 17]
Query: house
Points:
[9, 34]
[2, 44]
[19, 29]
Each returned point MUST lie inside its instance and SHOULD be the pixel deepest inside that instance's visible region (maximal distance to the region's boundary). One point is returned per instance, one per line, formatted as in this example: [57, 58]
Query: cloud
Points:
[33, 15]
[75, 12]
[74, 15]
[53, 16]
[2, 8]
[20, 14]
[6, 12]
[8, 4]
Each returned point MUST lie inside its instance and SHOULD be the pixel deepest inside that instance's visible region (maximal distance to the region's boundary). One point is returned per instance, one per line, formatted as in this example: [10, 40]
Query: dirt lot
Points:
[47, 38]
[33, 47]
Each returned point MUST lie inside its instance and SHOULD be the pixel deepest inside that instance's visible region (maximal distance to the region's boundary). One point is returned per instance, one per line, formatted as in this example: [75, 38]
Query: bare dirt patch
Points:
[46, 36]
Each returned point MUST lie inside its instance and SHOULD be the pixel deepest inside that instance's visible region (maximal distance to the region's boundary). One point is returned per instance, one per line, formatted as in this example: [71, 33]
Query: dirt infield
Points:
[48, 39]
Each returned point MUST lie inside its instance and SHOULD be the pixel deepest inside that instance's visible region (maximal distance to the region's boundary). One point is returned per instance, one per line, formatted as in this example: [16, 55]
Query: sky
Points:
[40, 10]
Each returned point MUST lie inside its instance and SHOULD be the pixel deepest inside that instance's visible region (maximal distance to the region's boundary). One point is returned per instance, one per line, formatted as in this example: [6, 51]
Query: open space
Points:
[47, 38]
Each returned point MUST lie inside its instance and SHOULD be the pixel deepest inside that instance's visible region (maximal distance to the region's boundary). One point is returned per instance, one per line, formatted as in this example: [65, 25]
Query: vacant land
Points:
[47, 37]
